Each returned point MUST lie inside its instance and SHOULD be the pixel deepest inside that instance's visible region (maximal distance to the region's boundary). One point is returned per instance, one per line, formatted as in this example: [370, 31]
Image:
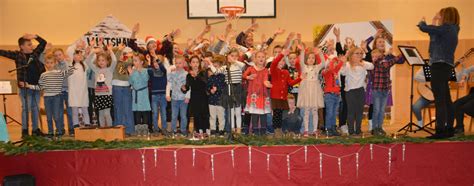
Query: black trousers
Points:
[91, 94]
[277, 118]
[343, 106]
[142, 117]
[370, 112]
[440, 74]
[464, 105]
[201, 121]
[259, 118]
[355, 109]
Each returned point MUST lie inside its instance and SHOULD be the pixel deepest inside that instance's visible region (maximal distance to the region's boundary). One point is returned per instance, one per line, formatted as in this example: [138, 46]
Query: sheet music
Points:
[412, 56]
[6, 87]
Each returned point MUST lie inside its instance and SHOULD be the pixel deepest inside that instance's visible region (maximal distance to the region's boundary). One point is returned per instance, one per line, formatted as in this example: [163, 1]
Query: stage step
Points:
[105, 133]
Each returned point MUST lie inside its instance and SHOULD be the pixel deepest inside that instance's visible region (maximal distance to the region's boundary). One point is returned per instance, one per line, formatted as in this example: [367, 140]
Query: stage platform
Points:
[440, 163]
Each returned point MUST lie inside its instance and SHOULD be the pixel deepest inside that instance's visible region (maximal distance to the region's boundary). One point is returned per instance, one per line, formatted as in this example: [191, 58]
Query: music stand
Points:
[427, 74]
[7, 88]
[413, 58]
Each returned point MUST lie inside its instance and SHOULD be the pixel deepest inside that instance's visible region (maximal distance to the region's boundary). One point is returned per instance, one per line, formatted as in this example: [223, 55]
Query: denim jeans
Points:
[29, 103]
[54, 110]
[331, 102]
[379, 100]
[158, 101]
[123, 114]
[181, 108]
[270, 128]
[64, 99]
[420, 104]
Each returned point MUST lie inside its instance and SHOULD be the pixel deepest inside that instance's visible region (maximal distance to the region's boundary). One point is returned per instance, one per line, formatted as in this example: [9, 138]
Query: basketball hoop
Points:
[232, 13]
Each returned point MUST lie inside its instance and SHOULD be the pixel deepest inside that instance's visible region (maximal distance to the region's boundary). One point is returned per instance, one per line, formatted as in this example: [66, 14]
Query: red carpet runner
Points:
[449, 163]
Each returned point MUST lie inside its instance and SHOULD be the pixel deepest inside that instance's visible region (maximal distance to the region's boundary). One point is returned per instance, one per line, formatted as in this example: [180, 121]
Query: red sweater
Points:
[329, 76]
[280, 80]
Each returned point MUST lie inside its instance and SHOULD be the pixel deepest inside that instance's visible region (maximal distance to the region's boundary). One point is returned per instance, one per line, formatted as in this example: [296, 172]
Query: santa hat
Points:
[127, 50]
[149, 39]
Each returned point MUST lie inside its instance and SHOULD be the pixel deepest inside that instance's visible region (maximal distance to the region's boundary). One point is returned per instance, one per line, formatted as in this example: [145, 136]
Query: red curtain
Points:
[425, 164]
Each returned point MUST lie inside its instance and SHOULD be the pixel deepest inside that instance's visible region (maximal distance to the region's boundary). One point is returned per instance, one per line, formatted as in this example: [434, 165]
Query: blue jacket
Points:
[443, 42]
[158, 79]
[217, 80]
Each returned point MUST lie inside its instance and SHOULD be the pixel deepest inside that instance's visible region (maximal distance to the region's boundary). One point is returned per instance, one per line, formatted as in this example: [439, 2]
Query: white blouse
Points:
[355, 77]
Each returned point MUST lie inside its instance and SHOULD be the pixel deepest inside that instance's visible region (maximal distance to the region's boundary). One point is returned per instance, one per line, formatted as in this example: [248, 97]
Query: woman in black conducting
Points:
[443, 34]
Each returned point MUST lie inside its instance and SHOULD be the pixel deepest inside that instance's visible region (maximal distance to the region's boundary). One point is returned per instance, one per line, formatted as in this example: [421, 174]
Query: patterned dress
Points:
[258, 99]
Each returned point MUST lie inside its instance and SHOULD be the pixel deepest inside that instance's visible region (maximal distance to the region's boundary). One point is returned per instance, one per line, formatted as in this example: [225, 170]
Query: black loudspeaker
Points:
[19, 180]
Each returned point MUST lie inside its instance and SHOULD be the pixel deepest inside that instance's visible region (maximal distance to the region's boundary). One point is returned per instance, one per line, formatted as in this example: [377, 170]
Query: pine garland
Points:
[38, 144]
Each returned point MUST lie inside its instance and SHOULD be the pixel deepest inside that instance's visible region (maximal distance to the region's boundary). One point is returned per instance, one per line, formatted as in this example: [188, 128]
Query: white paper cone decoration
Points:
[288, 164]
[305, 154]
[320, 165]
[268, 162]
[389, 160]
[143, 167]
[232, 155]
[212, 166]
[194, 156]
[403, 156]
[371, 152]
[339, 164]
[250, 160]
[175, 164]
[155, 155]
[357, 165]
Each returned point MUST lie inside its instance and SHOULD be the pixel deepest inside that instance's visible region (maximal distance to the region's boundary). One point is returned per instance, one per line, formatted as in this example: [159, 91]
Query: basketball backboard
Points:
[209, 9]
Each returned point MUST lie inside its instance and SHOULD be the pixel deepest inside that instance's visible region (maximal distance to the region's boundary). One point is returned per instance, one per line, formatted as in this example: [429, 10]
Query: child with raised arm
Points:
[78, 87]
[258, 99]
[332, 93]
[121, 91]
[140, 98]
[341, 50]
[103, 64]
[280, 80]
[176, 93]
[355, 71]
[62, 63]
[381, 86]
[158, 80]
[51, 83]
[310, 91]
[28, 73]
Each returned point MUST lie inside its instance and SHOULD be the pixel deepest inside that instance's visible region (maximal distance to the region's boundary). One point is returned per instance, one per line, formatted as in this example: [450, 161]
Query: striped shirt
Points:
[235, 72]
[51, 82]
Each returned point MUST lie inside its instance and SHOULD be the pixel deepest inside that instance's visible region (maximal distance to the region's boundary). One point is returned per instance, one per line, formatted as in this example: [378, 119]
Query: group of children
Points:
[224, 86]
